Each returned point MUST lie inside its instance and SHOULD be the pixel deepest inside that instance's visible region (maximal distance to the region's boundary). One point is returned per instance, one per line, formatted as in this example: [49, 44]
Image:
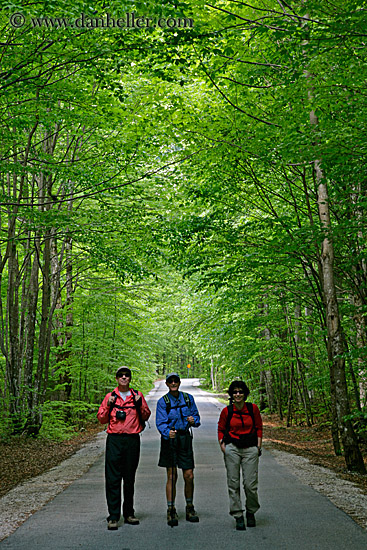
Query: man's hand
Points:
[137, 397]
[222, 447]
[111, 400]
[172, 433]
[191, 420]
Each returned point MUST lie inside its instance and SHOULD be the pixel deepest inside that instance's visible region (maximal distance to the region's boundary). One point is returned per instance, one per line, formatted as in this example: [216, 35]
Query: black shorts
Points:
[177, 452]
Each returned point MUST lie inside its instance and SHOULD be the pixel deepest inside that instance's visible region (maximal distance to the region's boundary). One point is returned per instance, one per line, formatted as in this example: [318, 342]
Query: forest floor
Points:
[23, 458]
[314, 443]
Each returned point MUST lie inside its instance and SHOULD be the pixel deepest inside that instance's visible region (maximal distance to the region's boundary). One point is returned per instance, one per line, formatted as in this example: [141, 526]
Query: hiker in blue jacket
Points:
[176, 415]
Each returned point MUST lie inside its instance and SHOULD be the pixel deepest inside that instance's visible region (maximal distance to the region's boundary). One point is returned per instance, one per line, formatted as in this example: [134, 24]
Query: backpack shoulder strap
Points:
[187, 399]
[113, 394]
[229, 417]
[167, 402]
[137, 407]
[250, 409]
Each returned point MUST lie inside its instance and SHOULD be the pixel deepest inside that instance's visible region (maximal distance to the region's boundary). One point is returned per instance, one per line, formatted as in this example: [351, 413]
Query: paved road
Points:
[292, 516]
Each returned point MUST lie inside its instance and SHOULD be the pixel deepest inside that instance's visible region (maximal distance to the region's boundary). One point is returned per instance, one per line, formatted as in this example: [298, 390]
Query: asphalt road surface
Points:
[292, 516]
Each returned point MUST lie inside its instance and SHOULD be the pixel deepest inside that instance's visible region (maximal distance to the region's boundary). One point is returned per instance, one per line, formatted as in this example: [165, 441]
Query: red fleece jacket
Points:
[131, 424]
[237, 426]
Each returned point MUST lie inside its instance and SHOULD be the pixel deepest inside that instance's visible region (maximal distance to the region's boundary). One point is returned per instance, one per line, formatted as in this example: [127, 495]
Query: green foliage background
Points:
[173, 172]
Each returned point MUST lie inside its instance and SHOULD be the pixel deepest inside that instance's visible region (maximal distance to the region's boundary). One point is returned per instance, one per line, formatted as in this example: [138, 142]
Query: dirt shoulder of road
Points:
[32, 493]
[308, 453]
[314, 443]
[23, 458]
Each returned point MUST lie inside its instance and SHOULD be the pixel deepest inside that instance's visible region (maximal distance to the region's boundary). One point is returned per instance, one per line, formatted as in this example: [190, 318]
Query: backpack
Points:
[246, 440]
[168, 401]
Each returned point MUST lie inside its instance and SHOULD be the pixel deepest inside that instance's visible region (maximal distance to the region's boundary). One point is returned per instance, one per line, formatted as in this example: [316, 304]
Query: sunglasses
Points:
[173, 381]
[124, 375]
[238, 391]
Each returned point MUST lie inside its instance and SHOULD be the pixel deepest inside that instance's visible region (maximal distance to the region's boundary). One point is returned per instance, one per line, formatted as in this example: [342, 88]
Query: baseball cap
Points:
[172, 375]
[122, 370]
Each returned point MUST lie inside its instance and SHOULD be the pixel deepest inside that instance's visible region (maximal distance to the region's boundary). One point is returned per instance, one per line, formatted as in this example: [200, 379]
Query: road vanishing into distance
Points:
[292, 516]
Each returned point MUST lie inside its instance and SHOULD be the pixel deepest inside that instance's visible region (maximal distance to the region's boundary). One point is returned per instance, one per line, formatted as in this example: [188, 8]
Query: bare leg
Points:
[188, 476]
[171, 491]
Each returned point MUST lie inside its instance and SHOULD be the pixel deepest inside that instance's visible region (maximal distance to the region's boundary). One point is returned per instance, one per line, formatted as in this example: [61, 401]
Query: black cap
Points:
[172, 375]
[122, 370]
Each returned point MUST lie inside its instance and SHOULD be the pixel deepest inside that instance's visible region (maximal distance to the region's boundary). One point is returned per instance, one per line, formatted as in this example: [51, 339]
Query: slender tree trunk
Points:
[66, 379]
[280, 395]
[43, 340]
[352, 453]
[300, 367]
[13, 364]
[262, 391]
[212, 377]
[31, 331]
[361, 343]
[360, 287]
[290, 339]
[290, 394]
[336, 347]
[266, 375]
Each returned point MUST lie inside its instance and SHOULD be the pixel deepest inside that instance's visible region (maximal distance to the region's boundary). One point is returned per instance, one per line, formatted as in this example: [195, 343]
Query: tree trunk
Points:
[290, 395]
[262, 391]
[352, 453]
[361, 341]
[336, 347]
[266, 373]
[43, 340]
[300, 367]
[212, 377]
[13, 356]
[31, 331]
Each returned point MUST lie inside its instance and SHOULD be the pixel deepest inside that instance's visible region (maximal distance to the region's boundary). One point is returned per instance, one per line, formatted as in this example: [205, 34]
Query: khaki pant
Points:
[248, 460]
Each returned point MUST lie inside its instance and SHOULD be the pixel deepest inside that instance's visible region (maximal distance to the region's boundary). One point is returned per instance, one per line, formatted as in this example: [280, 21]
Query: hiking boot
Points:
[191, 515]
[132, 520]
[240, 524]
[251, 521]
[172, 517]
[112, 525]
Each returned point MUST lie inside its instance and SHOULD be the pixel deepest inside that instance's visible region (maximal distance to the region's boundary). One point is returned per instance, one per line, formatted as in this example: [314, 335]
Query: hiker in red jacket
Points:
[240, 438]
[125, 410]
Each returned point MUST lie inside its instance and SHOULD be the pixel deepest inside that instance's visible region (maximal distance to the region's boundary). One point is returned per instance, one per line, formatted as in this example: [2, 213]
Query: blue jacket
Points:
[176, 418]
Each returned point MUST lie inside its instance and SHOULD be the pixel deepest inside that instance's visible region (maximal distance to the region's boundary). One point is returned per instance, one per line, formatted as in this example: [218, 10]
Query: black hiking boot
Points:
[191, 515]
[251, 521]
[240, 524]
[132, 520]
[172, 517]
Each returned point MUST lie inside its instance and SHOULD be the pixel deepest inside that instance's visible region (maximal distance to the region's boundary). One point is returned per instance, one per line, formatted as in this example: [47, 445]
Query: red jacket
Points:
[237, 425]
[131, 424]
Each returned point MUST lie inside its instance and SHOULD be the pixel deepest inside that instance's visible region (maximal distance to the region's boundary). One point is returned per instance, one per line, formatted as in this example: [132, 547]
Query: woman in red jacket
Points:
[240, 438]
